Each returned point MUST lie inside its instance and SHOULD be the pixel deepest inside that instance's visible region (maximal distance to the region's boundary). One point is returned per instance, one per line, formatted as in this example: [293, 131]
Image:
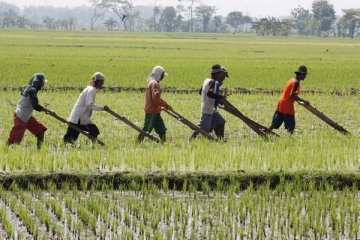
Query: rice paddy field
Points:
[300, 186]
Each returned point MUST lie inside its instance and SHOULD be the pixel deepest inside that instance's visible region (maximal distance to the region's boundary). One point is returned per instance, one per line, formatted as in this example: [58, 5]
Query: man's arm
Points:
[211, 93]
[34, 100]
[296, 97]
[156, 96]
[90, 99]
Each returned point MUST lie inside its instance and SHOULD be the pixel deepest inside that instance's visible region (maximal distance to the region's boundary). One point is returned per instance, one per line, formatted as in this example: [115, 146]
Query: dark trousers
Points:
[72, 135]
[279, 118]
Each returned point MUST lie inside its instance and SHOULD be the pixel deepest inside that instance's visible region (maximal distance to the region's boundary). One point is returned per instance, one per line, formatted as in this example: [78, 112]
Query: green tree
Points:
[263, 26]
[272, 26]
[98, 11]
[349, 22]
[156, 12]
[168, 19]
[124, 9]
[323, 14]
[72, 21]
[235, 19]
[303, 20]
[110, 24]
[191, 12]
[8, 18]
[49, 22]
[60, 23]
[204, 14]
[217, 24]
[247, 21]
[8, 15]
[285, 27]
[135, 21]
[22, 22]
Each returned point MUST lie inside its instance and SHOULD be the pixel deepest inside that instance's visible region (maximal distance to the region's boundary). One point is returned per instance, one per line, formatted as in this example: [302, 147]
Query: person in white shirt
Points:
[81, 112]
[210, 100]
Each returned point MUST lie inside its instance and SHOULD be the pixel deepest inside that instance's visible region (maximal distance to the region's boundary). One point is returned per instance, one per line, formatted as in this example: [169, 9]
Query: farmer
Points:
[23, 118]
[154, 104]
[285, 111]
[81, 112]
[210, 99]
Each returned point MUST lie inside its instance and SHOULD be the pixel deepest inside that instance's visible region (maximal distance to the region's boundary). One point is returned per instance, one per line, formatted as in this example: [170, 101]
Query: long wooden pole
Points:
[73, 126]
[185, 121]
[257, 127]
[132, 125]
[325, 118]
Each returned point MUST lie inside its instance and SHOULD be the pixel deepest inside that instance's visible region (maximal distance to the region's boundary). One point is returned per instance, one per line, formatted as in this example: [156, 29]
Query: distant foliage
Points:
[187, 16]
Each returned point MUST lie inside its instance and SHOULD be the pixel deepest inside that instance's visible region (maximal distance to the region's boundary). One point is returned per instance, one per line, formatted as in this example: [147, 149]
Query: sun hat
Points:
[156, 73]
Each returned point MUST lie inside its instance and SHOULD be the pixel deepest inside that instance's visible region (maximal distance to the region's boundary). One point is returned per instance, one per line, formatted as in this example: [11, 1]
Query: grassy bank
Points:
[179, 181]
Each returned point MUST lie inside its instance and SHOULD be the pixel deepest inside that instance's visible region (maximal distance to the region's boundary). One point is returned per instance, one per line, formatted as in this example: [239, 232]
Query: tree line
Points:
[186, 16]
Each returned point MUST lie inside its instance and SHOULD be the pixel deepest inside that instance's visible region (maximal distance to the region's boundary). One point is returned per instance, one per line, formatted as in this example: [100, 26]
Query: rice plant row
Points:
[68, 59]
[285, 212]
[314, 145]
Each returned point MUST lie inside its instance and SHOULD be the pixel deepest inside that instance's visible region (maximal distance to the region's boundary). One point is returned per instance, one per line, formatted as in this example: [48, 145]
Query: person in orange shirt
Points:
[154, 104]
[285, 111]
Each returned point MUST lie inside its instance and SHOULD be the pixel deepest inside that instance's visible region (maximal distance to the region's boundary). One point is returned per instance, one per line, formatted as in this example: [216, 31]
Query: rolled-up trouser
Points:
[288, 119]
[72, 135]
[209, 122]
[18, 130]
[154, 121]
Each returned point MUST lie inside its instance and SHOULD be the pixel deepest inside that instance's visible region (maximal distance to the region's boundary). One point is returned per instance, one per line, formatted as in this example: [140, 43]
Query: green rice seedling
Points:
[260, 212]
[165, 185]
[137, 51]
[96, 209]
[88, 219]
[238, 153]
[83, 184]
[7, 225]
[127, 218]
[26, 218]
[103, 231]
[56, 208]
[169, 233]
[41, 213]
[205, 188]
[134, 186]
[23, 213]
[342, 221]
[305, 226]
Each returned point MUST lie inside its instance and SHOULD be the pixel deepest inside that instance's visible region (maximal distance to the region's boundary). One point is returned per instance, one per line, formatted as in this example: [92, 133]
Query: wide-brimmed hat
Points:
[302, 70]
